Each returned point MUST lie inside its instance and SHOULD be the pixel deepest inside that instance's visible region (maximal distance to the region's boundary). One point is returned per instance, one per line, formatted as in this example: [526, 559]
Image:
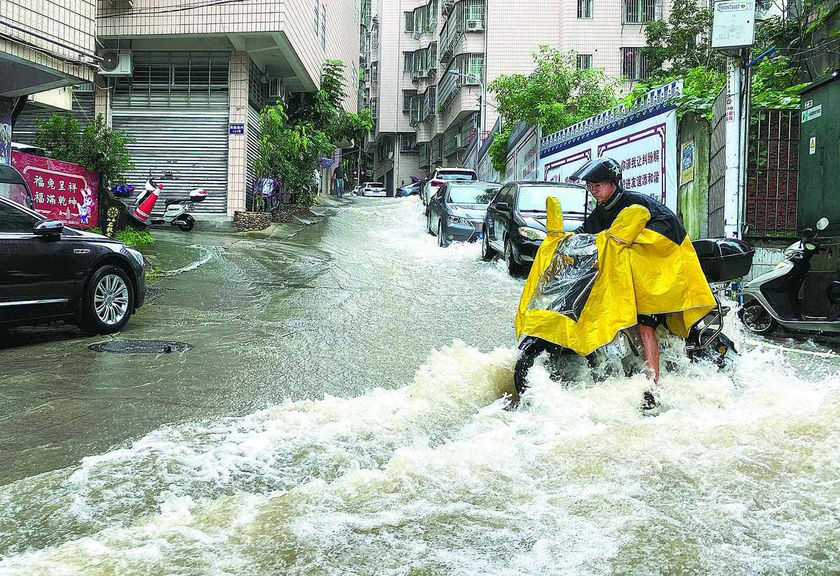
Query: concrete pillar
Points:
[102, 103]
[238, 142]
[6, 106]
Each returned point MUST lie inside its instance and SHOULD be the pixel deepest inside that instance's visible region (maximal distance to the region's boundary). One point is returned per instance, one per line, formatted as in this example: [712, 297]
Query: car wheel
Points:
[108, 301]
[186, 223]
[514, 268]
[441, 241]
[757, 319]
[487, 252]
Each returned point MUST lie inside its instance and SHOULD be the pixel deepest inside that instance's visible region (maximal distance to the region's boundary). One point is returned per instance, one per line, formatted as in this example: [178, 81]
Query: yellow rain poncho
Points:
[639, 271]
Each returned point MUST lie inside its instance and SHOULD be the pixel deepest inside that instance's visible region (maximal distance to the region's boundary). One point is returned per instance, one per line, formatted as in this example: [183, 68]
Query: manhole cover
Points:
[140, 346]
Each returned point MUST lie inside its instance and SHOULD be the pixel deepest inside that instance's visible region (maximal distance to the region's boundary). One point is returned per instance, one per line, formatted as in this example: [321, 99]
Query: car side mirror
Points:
[48, 227]
[503, 207]
[822, 224]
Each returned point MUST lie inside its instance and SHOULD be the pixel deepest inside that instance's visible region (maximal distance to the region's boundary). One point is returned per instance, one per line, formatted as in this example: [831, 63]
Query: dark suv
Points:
[49, 272]
[514, 225]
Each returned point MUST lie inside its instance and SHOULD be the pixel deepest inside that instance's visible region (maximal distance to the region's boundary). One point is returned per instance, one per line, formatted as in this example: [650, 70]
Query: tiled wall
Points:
[238, 143]
[70, 22]
[295, 18]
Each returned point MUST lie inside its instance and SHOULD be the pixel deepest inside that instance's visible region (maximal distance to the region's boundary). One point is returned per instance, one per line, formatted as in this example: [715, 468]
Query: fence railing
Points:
[772, 173]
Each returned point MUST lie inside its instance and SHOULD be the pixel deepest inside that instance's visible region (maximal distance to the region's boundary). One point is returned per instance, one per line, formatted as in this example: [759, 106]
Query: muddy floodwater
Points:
[341, 411]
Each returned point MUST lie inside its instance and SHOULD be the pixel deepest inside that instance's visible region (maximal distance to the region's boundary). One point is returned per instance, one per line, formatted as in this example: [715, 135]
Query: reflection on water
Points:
[737, 475]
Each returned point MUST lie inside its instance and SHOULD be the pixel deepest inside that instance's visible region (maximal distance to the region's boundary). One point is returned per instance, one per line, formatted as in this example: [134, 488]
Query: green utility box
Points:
[819, 155]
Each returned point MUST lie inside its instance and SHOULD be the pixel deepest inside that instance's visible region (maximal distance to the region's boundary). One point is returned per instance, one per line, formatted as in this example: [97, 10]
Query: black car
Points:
[50, 272]
[514, 225]
[456, 211]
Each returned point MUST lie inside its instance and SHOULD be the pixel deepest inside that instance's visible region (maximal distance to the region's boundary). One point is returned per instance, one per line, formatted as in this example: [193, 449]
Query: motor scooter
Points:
[773, 299]
[177, 209]
[723, 260]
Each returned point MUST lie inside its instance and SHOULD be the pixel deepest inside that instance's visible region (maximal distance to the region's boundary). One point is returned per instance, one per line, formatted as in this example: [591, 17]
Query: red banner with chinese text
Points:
[61, 190]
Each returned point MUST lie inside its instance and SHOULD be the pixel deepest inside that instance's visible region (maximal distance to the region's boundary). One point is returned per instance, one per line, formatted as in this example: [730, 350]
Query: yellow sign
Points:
[687, 161]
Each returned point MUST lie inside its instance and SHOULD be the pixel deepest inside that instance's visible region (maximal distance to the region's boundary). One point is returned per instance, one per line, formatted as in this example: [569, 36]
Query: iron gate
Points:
[773, 173]
[717, 167]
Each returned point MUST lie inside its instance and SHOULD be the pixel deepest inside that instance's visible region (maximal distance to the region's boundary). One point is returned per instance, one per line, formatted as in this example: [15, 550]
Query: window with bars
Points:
[324, 29]
[408, 95]
[409, 21]
[634, 66]
[177, 79]
[317, 15]
[408, 142]
[584, 8]
[474, 12]
[584, 61]
[475, 69]
[640, 11]
[408, 62]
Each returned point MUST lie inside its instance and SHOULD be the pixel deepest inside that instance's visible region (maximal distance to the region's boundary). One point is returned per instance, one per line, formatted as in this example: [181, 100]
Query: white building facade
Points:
[439, 55]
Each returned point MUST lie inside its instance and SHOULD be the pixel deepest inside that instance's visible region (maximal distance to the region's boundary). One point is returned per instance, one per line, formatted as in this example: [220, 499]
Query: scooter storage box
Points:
[724, 259]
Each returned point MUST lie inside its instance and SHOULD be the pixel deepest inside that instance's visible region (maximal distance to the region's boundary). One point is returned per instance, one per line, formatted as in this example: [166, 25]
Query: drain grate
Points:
[140, 346]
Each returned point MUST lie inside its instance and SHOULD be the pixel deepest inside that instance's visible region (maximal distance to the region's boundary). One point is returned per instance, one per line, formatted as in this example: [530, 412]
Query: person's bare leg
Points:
[650, 351]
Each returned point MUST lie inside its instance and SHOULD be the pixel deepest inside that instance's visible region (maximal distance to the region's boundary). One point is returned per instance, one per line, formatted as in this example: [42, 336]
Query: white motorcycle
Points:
[177, 209]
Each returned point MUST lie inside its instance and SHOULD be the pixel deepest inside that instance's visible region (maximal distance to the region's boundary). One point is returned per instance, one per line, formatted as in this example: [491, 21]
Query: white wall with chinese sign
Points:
[523, 157]
[642, 138]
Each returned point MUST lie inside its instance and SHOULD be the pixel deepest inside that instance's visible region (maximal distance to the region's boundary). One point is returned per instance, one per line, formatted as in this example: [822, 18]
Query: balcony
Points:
[470, 64]
[429, 107]
[414, 111]
[467, 16]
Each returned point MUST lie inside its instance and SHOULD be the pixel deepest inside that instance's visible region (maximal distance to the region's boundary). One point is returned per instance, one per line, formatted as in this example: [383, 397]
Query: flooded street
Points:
[341, 412]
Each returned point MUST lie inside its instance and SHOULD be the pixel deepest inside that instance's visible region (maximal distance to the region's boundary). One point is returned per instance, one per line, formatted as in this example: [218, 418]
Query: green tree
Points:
[555, 95]
[60, 135]
[98, 148]
[682, 43]
[297, 134]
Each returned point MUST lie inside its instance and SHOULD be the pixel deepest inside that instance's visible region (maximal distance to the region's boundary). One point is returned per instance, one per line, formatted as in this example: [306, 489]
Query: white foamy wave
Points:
[737, 475]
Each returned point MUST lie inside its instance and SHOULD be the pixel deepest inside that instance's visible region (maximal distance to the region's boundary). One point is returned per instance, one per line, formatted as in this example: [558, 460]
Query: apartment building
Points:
[44, 45]
[438, 56]
[200, 74]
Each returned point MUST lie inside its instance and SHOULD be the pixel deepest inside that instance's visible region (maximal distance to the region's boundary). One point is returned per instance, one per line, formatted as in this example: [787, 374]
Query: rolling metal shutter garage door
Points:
[27, 123]
[192, 144]
[175, 105]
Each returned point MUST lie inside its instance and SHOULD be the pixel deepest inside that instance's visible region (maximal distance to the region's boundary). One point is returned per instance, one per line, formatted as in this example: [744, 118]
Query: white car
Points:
[440, 176]
[373, 189]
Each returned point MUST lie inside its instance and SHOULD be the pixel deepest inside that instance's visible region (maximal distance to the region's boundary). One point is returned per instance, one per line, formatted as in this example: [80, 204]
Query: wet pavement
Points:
[339, 308]
[340, 412]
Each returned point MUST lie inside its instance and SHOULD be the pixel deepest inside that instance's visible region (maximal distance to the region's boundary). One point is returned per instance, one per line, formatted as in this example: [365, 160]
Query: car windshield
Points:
[15, 193]
[375, 185]
[532, 198]
[450, 176]
[476, 194]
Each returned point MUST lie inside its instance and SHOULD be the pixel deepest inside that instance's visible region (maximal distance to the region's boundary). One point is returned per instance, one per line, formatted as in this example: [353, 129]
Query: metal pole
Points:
[732, 188]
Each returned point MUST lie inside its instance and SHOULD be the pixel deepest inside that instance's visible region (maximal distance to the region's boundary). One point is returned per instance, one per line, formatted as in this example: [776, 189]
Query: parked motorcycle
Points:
[177, 209]
[722, 260]
[773, 299]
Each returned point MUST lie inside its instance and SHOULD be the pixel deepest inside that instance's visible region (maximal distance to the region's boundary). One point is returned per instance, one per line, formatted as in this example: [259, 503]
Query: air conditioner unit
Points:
[475, 25]
[276, 88]
[116, 63]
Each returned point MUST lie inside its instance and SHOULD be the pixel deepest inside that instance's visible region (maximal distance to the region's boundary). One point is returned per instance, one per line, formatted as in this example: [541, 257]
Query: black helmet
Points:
[599, 170]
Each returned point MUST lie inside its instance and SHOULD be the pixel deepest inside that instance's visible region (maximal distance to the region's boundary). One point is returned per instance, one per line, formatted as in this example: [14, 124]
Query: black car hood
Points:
[571, 222]
[88, 236]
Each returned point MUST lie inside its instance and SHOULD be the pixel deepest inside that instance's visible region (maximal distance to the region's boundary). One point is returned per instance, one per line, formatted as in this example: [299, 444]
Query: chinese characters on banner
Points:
[61, 190]
[646, 148]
